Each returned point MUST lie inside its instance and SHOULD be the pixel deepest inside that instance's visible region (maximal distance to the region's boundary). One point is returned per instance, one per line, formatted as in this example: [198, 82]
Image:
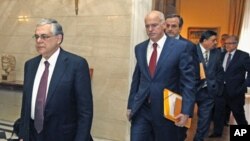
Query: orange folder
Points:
[172, 106]
[202, 72]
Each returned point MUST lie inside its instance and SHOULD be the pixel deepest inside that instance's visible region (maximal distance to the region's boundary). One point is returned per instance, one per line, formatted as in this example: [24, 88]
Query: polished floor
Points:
[11, 100]
[192, 130]
[191, 133]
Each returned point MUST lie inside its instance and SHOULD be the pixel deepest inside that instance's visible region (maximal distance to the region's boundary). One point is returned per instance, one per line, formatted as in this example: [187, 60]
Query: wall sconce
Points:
[76, 7]
[23, 18]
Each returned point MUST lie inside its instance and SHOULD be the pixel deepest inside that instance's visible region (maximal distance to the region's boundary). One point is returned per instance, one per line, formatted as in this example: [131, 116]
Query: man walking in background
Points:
[174, 24]
[236, 64]
[211, 81]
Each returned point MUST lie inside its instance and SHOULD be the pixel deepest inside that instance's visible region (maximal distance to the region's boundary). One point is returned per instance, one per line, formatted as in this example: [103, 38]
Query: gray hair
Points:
[56, 28]
[159, 14]
[162, 17]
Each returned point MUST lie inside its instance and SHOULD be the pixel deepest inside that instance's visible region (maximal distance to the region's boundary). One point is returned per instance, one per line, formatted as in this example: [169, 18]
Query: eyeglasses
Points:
[231, 43]
[42, 36]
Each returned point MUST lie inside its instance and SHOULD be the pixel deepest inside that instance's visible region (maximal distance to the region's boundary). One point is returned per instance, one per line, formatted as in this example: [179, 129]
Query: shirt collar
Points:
[232, 53]
[53, 57]
[203, 49]
[160, 42]
[177, 37]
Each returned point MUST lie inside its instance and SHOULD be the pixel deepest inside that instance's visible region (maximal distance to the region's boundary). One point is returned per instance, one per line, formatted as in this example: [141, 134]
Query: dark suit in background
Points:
[174, 71]
[209, 87]
[174, 24]
[236, 85]
[219, 105]
[193, 51]
[68, 109]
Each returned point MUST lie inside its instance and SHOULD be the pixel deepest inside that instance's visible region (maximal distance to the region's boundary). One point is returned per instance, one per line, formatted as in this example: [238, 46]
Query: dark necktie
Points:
[40, 100]
[206, 57]
[228, 60]
[152, 62]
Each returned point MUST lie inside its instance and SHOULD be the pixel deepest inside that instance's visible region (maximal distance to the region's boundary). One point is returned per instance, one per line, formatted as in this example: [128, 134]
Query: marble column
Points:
[138, 34]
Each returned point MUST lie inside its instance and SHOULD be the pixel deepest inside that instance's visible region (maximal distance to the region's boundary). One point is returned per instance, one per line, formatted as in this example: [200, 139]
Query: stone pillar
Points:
[138, 34]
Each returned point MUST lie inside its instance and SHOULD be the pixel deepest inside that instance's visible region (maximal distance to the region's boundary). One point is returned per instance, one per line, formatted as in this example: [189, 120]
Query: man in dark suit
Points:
[220, 100]
[211, 81]
[236, 64]
[235, 79]
[219, 104]
[173, 29]
[57, 98]
[174, 24]
[173, 69]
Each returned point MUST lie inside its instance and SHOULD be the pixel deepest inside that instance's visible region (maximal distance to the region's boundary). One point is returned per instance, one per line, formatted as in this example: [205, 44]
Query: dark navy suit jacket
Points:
[69, 108]
[235, 75]
[214, 71]
[174, 71]
[192, 48]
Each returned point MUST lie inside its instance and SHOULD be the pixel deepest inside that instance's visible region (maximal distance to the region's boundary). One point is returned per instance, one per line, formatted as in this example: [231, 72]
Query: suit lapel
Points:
[200, 55]
[223, 56]
[142, 57]
[234, 59]
[57, 74]
[166, 50]
[212, 58]
[31, 70]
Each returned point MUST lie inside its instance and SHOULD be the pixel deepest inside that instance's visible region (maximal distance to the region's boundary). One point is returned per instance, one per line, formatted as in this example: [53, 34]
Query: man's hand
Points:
[181, 120]
[128, 114]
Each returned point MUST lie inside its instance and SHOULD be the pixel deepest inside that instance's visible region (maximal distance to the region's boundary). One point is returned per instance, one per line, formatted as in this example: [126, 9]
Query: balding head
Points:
[155, 25]
[156, 14]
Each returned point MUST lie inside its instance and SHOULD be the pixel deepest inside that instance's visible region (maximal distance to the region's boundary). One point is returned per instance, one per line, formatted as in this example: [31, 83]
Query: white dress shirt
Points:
[52, 61]
[225, 59]
[150, 48]
[203, 50]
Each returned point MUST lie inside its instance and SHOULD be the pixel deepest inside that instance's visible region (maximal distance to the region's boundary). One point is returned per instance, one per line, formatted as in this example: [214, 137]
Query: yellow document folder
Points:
[202, 72]
[172, 106]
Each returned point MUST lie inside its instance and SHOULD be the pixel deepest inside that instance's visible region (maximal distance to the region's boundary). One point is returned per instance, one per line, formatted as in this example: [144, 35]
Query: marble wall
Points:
[104, 32]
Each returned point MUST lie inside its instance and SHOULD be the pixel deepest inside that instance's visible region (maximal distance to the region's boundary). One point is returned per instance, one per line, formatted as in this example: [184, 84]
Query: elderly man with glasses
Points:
[57, 97]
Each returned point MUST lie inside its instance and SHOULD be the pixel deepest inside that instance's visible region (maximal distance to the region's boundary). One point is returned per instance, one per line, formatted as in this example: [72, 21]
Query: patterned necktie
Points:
[40, 100]
[206, 57]
[228, 60]
[152, 62]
